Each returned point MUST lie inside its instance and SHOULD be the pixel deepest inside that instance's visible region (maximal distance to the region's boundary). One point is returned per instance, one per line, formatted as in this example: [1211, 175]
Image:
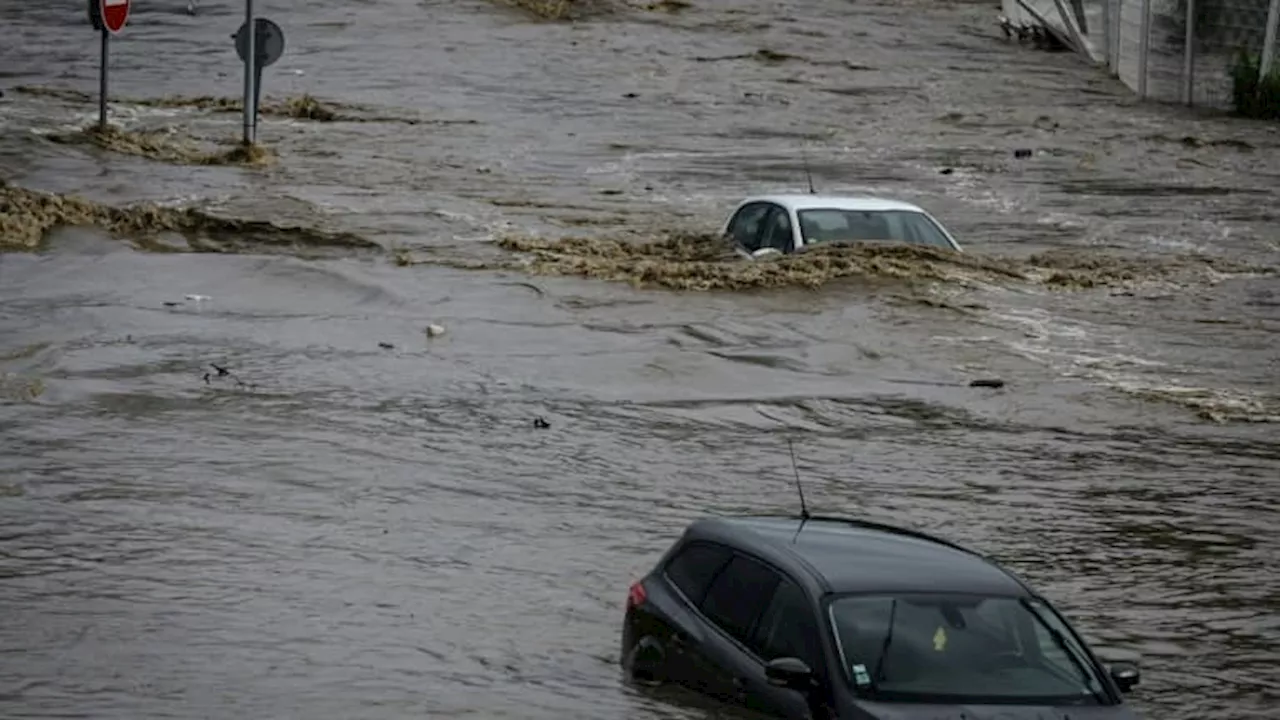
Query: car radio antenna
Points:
[804, 154]
[804, 509]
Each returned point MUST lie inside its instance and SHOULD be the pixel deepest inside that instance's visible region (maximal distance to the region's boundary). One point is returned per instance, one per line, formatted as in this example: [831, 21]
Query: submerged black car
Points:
[833, 618]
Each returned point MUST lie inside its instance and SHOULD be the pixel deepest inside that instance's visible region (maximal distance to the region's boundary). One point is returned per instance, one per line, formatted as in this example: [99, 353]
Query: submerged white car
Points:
[783, 224]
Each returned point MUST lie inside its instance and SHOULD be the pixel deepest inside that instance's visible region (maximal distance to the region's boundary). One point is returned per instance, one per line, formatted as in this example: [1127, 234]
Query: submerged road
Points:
[339, 528]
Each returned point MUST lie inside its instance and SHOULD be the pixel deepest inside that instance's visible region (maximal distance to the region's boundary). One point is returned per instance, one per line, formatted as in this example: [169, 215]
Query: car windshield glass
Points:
[934, 648]
[903, 226]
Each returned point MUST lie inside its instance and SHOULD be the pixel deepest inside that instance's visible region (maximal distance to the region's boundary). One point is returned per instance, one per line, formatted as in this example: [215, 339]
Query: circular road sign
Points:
[114, 14]
[267, 36]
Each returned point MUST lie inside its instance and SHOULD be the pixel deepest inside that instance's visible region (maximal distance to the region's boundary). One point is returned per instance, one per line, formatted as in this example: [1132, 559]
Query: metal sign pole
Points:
[1269, 41]
[1189, 55]
[102, 82]
[250, 75]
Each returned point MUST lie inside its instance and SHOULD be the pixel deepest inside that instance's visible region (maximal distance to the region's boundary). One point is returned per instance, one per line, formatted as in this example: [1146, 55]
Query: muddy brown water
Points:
[339, 529]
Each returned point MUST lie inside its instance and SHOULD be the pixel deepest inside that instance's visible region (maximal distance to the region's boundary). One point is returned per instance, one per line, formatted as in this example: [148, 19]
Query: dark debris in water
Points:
[219, 372]
[763, 55]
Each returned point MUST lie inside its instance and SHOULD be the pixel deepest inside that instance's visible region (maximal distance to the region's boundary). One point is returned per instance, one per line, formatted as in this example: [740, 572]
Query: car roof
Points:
[835, 202]
[852, 556]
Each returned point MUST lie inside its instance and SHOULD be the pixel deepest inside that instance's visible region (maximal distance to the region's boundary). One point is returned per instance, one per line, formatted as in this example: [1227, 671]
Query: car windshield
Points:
[933, 648]
[904, 226]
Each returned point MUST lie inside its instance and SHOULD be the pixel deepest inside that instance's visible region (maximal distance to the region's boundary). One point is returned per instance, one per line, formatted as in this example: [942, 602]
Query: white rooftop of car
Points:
[806, 201]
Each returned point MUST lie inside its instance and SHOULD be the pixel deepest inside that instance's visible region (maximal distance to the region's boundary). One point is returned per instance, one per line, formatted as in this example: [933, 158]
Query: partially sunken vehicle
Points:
[784, 224]
[826, 618]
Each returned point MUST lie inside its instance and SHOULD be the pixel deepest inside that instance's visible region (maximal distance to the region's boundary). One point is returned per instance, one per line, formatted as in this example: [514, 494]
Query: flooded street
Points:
[361, 520]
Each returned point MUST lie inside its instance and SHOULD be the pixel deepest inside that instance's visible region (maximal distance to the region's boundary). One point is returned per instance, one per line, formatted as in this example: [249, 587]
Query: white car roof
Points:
[835, 202]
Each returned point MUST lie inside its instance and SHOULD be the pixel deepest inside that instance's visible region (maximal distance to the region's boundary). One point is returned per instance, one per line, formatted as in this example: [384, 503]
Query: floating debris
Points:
[222, 372]
[987, 383]
[434, 330]
[541, 423]
[763, 55]
[386, 346]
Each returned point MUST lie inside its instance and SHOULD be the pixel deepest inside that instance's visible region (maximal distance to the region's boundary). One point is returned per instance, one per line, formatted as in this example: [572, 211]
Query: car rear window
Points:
[693, 568]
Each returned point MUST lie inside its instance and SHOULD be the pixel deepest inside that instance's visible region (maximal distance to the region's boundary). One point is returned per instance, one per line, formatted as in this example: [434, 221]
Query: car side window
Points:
[738, 596]
[788, 628]
[777, 230]
[745, 226]
[693, 568]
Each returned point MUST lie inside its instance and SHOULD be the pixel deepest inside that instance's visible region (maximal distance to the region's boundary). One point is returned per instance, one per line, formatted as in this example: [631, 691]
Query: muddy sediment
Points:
[27, 215]
[18, 388]
[1079, 270]
[299, 107]
[690, 261]
[1215, 406]
[163, 145]
[568, 10]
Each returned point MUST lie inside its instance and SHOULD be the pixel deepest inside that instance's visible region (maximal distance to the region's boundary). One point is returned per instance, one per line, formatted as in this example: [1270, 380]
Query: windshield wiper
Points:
[1062, 644]
[884, 647]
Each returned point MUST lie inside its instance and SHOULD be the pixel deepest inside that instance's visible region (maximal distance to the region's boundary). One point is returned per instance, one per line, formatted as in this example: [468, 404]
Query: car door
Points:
[690, 571]
[789, 628]
[732, 606]
[745, 228]
[777, 232]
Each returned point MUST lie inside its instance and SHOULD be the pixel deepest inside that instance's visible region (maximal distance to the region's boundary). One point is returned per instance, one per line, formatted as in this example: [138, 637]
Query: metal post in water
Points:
[250, 75]
[1144, 48]
[1269, 43]
[102, 82]
[1117, 33]
[1108, 61]
[1189, 56]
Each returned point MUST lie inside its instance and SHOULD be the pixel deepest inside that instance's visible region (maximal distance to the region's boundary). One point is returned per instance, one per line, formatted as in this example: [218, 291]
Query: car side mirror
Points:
[1125, 675]
[789, 672]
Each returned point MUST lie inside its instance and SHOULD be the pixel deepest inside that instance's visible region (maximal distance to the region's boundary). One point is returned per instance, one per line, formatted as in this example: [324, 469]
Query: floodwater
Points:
[337, 528]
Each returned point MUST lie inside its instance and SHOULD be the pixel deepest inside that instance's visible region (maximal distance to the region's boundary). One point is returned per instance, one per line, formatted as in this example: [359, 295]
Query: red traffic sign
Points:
[112, 14]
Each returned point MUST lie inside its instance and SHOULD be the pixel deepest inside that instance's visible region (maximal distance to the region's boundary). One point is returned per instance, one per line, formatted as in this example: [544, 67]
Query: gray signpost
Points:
[267, 39]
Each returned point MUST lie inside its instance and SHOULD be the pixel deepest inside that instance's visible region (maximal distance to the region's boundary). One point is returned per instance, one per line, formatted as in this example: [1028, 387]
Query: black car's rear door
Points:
[732, 607]
[690, 572]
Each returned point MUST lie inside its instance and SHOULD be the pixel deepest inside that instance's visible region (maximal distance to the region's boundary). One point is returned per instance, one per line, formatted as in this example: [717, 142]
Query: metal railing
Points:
[1166, 50]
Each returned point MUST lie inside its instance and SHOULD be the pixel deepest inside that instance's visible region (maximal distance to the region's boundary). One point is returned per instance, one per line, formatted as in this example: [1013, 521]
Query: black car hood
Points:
[911, 711]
